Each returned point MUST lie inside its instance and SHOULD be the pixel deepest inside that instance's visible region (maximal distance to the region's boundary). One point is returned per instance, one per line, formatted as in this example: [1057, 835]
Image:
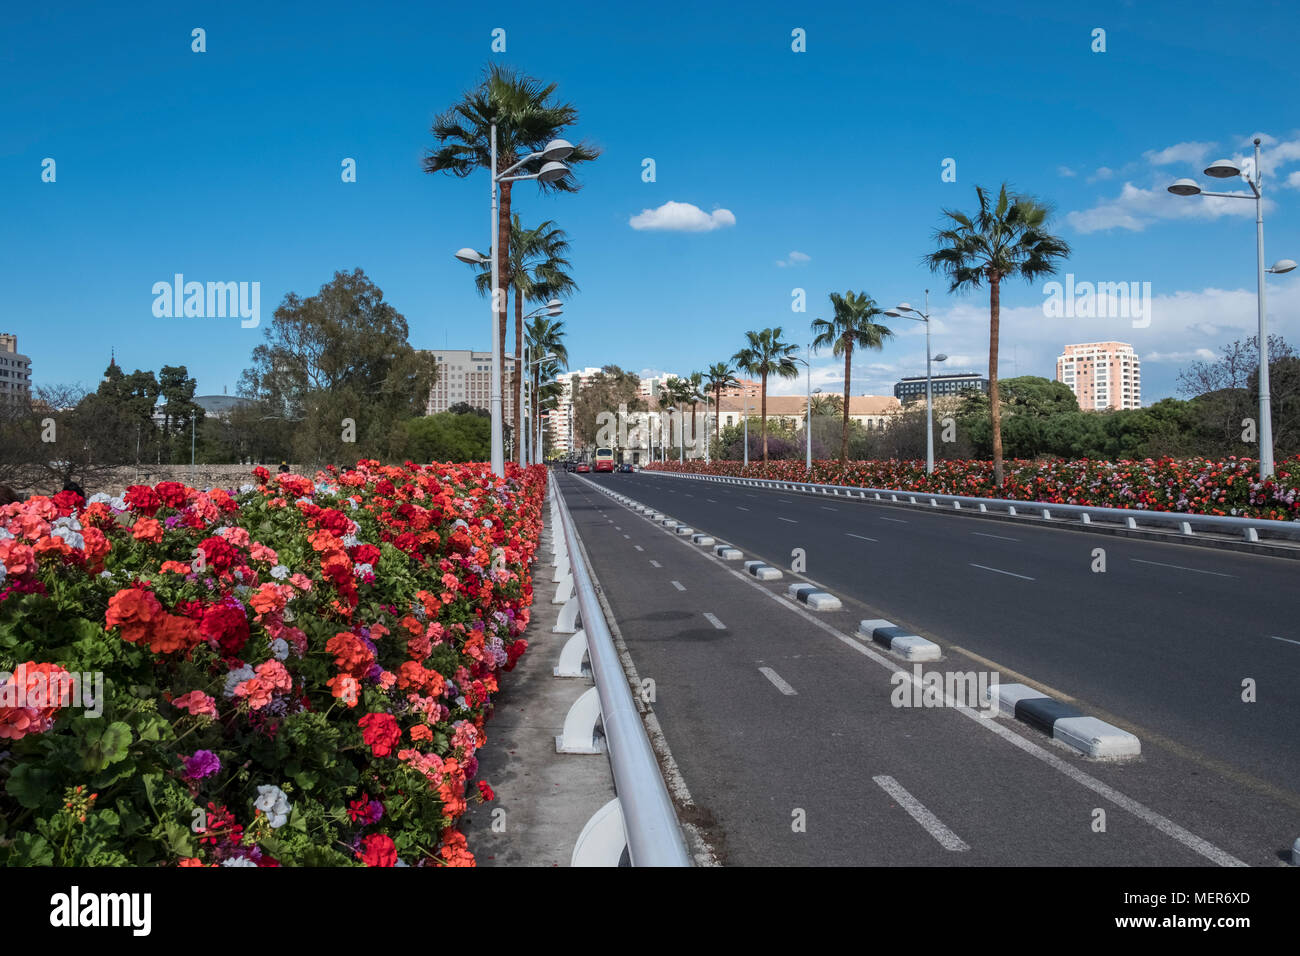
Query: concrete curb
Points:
[905, 644]
[764, 572]
[727, 553]
[702, 539]
[1088, 735]
[816, 600]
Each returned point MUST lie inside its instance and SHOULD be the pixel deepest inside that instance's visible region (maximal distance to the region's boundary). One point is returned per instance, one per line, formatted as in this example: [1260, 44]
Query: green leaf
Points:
[107, 745]
[30, 784]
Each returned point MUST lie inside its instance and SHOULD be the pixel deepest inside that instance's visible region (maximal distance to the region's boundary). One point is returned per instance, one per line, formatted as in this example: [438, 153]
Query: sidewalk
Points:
[543, 798]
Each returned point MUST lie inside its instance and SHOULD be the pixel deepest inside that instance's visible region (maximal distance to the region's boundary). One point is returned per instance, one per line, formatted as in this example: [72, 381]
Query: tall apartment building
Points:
[1102, 375]
[746, 389]
[911, 388]
[466, 376]
[558, 420]
[15, 371]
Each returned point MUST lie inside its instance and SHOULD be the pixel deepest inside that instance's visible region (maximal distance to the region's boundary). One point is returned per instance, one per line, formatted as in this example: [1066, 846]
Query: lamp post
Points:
[526, 429]
[901, 311]
[1226, 169]
[807, 430]
[552, 308]
[745, 414]
[551, 170]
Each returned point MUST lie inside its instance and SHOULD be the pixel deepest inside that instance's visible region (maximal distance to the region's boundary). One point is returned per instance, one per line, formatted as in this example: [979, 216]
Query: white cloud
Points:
[1136, 208]
[1103, 172]
[681, 217]
[1066, 171]
[1193, 153]
[794, 259]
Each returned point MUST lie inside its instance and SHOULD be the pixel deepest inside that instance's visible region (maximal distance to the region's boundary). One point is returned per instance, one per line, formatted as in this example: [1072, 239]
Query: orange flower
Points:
[174, 633]
[147, 529]
[421, 732]
[455, 851]
[133, 612]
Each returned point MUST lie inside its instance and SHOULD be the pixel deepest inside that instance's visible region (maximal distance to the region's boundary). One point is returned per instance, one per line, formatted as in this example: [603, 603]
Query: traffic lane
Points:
[1175, 666]
[754, 755]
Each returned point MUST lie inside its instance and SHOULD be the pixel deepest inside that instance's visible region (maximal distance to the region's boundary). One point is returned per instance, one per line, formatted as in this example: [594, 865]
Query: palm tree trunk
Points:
[717, 413]
[844, 434]
[995, 306]
[764, 423]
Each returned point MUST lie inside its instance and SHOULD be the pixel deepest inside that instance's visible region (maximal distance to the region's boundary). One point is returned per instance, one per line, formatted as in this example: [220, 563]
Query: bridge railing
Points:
[1250, 529]
[643, 806]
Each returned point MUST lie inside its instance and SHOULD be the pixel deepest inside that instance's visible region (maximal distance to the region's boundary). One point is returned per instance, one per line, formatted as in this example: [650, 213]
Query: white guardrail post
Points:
[641, 818]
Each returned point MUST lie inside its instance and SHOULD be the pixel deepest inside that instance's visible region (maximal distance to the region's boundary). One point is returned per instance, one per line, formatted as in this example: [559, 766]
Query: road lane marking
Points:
[714, 621]
[1000, 537]
[627, 536]
[678, 585]
[895, 520]
[917, 811]
[862, 536]
[1272, 637]
[710, 500]
[741, 508]
[791, 520]
[655, 563]
[638, 547]
[999, 571]
[785, 501]
[1181, 568]
[829, 508]
[777, 682]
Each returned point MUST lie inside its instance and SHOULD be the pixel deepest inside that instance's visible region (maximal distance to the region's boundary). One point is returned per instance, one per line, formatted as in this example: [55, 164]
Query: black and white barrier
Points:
[1064, 722]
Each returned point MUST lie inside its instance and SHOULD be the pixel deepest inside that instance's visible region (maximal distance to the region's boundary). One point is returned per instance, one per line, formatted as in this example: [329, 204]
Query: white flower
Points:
[460, 701]
[350, 540]
[238, 861]
[401, 862]
[237, 676]
[67, 534]
[69, 522]
[280, 648]
[105, 574]
[274, 802]
[361, 570]
[280, 572]
[352, 504]
[246, 488]
[3, 571]
[487, 522]
[4, 533]
[100, 498]
[118, 503]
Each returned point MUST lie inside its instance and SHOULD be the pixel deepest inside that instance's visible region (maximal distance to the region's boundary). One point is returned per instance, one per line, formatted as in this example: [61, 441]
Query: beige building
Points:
[873, 411]
[466, 376]
[1102, 375]
[15, 371]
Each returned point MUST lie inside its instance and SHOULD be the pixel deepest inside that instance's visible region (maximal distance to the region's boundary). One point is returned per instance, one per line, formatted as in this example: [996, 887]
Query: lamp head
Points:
[1223, 169]
[1185, 187]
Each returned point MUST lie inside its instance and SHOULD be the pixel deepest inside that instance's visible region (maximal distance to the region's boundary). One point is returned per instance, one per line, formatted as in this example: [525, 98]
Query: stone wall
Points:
[198, 476]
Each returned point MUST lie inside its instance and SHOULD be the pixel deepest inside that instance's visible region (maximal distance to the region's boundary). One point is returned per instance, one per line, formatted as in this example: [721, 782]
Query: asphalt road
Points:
[1159, 643]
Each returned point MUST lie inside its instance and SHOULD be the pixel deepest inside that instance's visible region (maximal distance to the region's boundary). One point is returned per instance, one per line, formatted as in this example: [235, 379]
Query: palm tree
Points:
[1010, 239]
[766, 355]
[694, 382]
[827, 404]
[850, 327]
[537, 273]
[526, 119]
[546, 337]
[719, 376]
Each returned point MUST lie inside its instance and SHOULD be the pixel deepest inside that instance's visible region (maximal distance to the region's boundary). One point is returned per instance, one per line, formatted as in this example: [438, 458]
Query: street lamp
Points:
[745, 414]
[527, 430]
[1226, 169]
[551, 170]
[901, 311]
[552, 308]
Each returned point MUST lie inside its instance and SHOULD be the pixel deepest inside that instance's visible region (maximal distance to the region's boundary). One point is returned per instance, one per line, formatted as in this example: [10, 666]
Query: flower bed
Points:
[294, 674]
[1192, 485]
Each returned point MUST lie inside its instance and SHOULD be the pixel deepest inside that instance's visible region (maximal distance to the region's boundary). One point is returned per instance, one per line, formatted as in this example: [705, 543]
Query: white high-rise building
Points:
[15, 371]
[466, 376]
[1102, 375]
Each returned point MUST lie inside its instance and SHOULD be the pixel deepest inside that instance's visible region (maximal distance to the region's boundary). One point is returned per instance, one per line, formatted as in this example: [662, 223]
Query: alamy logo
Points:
[1101, 300]
[61, 689]
[74, 909]
[216, 300]
[977, 690]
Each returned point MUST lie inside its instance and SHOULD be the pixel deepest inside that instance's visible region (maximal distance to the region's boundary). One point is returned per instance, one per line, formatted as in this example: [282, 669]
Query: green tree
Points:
[1002, 240]
[720, 375]
[445, 436]
[338, 363]
[850, 326]
[766, 354]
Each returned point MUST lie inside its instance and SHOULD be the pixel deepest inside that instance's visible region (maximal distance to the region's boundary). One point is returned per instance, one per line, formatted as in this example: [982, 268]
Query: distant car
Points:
[582, 467]
[625, 468]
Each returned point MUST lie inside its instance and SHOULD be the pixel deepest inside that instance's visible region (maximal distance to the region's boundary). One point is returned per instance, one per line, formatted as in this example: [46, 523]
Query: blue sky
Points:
[225, 166]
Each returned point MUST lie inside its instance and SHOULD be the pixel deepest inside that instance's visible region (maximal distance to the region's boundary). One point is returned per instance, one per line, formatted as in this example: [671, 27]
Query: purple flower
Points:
[203, 763]
[373, 812]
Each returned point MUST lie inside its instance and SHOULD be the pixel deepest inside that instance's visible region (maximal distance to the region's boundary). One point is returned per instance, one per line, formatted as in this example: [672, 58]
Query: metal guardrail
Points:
[654, 837]
[1248, 528]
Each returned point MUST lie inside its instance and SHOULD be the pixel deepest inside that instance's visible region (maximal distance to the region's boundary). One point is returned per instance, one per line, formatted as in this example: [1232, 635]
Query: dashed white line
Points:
[655, 563]
[1000, 537]
[862, 536]
[829, 508]
[999, 571]
[777, 682]
[917, 811]
[1273, 637]
[895, 520]
[741, 508]
[638, 547]
[679, 586]
[714, 621]
[627, 536]
[1181, 568]
[790, 520]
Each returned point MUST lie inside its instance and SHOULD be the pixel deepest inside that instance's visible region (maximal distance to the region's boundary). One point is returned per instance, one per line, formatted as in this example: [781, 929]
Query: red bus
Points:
[604, 459]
